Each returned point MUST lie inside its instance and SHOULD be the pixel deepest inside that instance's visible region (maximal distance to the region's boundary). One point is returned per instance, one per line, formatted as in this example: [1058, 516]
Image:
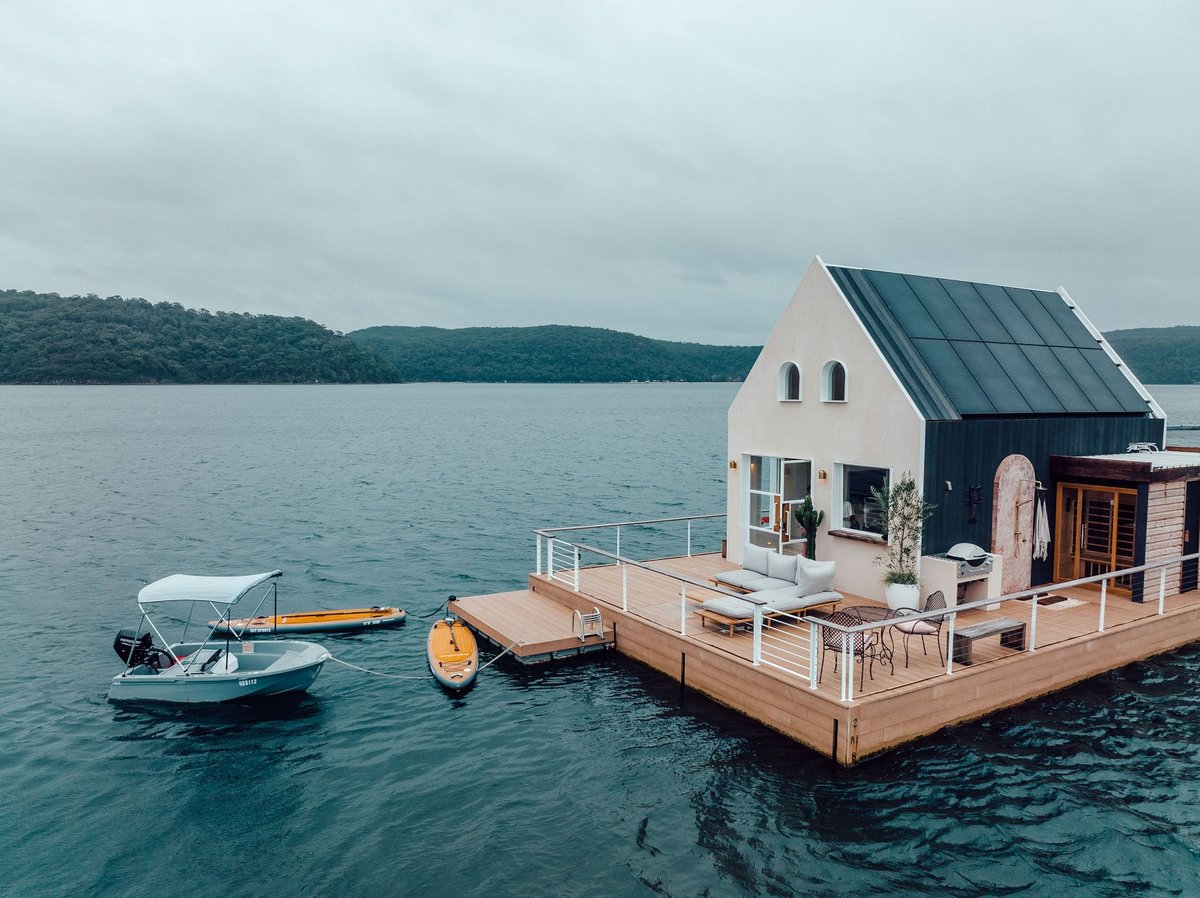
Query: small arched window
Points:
[789, 382]
[833, 382]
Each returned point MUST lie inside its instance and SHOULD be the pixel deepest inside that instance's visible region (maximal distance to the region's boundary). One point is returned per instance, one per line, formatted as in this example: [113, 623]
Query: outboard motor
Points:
[133, 651]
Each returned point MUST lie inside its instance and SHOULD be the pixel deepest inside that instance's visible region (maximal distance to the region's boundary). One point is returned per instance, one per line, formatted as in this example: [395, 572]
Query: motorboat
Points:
[336, 621]
[453, 653]
[214, 668]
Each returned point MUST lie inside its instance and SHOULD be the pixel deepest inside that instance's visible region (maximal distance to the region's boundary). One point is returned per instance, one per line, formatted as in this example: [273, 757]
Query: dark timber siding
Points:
[968, 452]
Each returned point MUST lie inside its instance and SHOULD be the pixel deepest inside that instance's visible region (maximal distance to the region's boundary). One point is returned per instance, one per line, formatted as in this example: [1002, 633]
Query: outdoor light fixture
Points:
[732, 464]
[821, 475]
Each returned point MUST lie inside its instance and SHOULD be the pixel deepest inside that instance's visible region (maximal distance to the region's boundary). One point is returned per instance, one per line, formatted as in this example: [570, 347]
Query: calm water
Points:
[586, 778]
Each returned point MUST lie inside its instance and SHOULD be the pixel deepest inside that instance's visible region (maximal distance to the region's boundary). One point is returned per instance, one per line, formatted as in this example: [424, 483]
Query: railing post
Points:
[1033, 622]
[848, 644]
[689, 547]
[1103, 602]
[756, 656]
[624, 586]
[1033, 607]
[1162, 589]
[575, 549]
[845, 666]
[683, 609]
[538, 553]
[550, 558]
[950, 645]
[814, 634]
[618, 540]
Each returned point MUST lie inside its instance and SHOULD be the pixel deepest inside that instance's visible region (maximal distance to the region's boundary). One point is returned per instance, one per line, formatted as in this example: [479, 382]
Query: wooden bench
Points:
[1012, 636]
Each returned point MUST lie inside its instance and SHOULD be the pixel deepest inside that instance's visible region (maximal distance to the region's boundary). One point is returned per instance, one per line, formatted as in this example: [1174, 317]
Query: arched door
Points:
[1012, 521]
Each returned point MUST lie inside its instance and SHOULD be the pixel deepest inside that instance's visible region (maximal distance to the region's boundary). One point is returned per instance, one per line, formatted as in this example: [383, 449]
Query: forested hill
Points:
[1160, 355]
[550, 354]
[50, 339]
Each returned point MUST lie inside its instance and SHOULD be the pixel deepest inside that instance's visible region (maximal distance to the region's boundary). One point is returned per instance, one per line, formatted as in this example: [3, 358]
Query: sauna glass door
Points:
[1097, 528]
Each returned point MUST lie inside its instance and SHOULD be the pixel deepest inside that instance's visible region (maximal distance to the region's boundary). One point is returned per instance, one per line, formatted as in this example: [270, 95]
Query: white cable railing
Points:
[791, 643]
[1157, 591]
[554, 534]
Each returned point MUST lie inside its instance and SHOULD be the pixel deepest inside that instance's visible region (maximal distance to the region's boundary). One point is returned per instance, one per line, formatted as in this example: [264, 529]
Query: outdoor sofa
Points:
[782, 583]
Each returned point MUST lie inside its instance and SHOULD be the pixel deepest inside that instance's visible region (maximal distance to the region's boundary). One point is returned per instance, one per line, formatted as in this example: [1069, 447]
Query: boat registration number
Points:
[247, 682]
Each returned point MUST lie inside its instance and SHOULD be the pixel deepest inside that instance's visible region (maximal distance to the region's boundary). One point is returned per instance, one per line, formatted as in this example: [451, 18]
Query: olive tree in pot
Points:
[903, 512]
[809, 517]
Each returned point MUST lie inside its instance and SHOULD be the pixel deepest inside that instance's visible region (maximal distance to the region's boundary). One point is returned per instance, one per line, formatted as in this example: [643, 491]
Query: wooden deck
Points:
[538, 628]
[894, 706]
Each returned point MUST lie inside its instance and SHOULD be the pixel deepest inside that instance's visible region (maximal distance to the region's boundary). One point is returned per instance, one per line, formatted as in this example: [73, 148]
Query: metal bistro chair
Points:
[931, 626]
[861, 644]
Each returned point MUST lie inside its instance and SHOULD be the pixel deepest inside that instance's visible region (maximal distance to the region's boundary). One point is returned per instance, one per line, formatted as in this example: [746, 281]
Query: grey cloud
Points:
[656, 168]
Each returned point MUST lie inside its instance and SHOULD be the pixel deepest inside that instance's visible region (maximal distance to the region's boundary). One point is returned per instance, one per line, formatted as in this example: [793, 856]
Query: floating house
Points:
[1017, 421]
[990, 395]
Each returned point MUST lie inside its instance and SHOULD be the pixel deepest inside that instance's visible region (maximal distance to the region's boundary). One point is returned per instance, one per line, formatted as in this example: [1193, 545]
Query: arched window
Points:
[789, 382]
[833, 382]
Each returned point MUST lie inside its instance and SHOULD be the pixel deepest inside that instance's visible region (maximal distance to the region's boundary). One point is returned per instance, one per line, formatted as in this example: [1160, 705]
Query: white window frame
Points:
[781, 386]
[827, 381]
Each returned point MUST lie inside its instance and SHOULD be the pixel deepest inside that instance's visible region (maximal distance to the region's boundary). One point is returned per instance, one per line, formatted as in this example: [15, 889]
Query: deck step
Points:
[537, 627]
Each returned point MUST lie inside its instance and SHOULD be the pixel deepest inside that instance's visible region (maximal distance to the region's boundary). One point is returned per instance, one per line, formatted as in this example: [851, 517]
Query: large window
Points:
[861, 511]
[789, 382]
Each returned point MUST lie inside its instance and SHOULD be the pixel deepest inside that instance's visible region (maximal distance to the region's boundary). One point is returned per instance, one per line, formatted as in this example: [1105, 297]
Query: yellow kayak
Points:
[453, 653]
[312, 621]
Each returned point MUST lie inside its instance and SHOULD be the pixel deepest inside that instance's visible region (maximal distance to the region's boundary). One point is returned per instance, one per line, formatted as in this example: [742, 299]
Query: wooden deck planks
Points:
[890, 709]
[535, 626]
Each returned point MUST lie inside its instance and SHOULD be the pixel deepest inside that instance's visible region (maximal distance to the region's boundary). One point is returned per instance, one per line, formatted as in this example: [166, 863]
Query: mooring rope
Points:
[376, 673]
[501, 655]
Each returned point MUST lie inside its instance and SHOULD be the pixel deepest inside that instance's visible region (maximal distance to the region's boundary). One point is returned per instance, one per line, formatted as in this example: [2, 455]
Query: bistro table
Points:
[870, 613]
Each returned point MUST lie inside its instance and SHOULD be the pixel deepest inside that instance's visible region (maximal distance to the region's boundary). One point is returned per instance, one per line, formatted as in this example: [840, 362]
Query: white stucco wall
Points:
[876, 426]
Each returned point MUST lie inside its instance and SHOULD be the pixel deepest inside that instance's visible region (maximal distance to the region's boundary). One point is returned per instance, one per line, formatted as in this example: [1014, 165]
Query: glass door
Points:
[797, 483]
[775, 486]
[1097, 529]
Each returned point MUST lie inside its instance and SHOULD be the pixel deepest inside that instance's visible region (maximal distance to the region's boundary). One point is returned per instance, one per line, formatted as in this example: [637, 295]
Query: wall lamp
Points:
[821, 475]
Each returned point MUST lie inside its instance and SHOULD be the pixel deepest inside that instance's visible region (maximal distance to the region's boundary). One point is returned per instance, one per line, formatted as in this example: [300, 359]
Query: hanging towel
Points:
[1041, 531]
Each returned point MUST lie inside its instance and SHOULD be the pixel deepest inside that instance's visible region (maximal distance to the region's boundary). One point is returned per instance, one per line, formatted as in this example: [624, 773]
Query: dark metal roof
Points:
[965, 349]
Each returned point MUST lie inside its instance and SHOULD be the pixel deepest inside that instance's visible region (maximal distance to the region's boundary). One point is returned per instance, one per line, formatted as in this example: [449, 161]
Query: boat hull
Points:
[268, 668]
[313, 622]
[453, 654]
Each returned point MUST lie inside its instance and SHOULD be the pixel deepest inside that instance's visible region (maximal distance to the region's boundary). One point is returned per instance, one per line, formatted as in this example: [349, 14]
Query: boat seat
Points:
[221, 662]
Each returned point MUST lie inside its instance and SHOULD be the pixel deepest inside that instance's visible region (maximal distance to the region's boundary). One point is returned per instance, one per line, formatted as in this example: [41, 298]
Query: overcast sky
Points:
[663, 168]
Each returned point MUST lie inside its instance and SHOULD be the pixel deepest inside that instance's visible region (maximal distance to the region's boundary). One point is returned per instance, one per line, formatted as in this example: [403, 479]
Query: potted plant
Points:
[903, 512]
[809, 517]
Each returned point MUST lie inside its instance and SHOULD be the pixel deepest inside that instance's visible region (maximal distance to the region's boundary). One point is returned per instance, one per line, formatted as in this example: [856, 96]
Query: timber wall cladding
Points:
[1165, 506]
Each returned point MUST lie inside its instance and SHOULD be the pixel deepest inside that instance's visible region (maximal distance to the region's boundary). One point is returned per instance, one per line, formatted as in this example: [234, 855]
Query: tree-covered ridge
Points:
[51, 339]
[550, 354]
[1160, 355]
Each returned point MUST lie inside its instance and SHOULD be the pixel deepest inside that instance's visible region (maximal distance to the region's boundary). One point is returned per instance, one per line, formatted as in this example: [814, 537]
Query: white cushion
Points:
[757, 558]
[729, 607]
[917, 627]
[738, 578]
[782, 567]
[815, 577]
[762, 583]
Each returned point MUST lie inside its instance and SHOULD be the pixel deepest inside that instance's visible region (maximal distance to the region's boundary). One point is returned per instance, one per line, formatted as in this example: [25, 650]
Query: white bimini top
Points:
[190, 588]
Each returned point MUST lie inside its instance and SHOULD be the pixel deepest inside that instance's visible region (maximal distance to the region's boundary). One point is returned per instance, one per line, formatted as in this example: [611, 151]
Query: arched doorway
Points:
[1012, 521]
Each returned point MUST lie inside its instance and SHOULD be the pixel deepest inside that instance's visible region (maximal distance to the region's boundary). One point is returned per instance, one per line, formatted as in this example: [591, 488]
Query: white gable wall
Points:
[877, 425]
